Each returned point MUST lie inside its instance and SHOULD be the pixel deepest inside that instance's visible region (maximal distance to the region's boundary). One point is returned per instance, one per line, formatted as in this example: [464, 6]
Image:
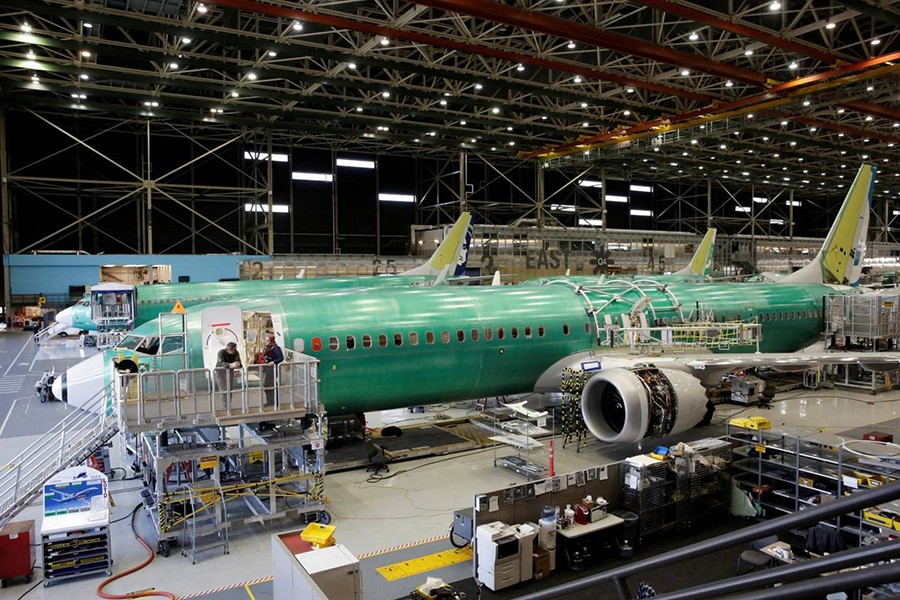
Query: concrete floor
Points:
[414, 504]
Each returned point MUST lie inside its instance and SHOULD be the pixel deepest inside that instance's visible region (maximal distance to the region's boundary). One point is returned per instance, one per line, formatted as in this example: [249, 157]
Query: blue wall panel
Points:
[54, 273]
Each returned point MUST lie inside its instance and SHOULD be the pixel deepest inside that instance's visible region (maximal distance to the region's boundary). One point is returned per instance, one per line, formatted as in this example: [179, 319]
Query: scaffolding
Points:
[868, 323]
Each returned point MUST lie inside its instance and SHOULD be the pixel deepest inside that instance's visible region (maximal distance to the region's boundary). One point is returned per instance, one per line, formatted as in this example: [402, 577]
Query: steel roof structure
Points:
[792, 94]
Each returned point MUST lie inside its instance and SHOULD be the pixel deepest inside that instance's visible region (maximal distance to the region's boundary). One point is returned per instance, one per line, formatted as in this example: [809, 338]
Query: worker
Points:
[228, 364]
[272, 357]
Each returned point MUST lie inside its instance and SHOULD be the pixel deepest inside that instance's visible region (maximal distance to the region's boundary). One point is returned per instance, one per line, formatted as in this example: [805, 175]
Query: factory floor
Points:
[414, 502]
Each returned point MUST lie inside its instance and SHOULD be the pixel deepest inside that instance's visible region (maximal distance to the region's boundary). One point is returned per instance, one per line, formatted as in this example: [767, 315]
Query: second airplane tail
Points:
[840, 259]
[452, 251]
[702, 261]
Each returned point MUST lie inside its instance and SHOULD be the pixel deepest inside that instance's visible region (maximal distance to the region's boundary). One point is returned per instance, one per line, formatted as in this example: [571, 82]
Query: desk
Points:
[577, 530]
[574, 536]
[780, 551]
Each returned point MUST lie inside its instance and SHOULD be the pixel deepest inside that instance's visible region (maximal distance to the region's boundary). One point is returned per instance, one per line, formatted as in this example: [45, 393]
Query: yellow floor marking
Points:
[424, 564]
[249, 593]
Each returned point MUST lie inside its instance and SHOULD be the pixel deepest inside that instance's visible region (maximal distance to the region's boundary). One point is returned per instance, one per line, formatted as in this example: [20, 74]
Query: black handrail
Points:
[844, 505]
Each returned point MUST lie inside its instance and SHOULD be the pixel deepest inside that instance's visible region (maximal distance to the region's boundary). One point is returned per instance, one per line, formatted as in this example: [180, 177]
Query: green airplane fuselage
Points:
[389, 348]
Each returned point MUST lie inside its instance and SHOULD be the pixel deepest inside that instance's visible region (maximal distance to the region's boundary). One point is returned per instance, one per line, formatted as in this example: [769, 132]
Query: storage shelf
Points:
[822, 458]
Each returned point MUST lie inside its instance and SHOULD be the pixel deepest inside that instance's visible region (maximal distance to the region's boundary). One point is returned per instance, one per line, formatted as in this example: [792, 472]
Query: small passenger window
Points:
[398, 339]
[429, 337]
[565, 329]
[316, 344]
[333, 343]
[413, 338]
[351, 342]
[382, 340]
[474, 335]
[460, 335]
[445, 337]
[500, 333]
[587, 327]
[514, 331]
[367, 341]
[540, 331]
[488, 334]
[528, 331]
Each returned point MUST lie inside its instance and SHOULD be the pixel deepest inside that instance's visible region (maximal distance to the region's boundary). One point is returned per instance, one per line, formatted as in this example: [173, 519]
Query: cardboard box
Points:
[807, 481]
[541, 563]
[878, 436]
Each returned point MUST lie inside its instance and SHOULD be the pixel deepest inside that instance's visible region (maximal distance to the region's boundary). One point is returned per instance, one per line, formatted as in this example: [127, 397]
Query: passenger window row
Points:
[382, 340]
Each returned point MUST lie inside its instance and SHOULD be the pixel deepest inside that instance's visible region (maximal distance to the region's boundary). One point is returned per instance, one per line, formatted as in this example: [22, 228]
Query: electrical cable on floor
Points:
[149, 560]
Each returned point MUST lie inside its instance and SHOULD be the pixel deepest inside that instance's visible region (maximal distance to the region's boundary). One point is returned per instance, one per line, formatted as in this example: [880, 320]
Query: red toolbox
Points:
[878, 436]
[16, 551]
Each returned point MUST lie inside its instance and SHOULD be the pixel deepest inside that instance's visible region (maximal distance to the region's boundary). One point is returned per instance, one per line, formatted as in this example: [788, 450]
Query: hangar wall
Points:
[52, 274]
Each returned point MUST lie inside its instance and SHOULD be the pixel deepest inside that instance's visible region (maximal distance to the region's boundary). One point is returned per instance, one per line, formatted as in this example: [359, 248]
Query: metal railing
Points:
[68, 443]
[156, 399]
[742, 586]
[683, 337]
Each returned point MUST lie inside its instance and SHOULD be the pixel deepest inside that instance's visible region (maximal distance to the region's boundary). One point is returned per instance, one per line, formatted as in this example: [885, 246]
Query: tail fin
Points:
[702, 261]
[463, 259]
[841, 256]
[449, 252]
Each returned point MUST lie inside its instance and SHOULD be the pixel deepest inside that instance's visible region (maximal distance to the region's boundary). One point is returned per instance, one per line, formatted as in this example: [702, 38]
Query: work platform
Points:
[154, 400]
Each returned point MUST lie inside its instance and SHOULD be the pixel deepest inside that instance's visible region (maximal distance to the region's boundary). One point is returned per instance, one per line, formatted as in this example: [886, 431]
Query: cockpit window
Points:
[84, 302]
[130, 342]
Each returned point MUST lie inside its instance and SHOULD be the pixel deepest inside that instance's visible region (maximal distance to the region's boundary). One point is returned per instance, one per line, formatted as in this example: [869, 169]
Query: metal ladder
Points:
[205, 526]
[69, 443]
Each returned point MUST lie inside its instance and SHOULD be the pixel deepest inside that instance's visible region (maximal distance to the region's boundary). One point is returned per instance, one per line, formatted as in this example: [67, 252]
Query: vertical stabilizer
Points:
[453, 250]
[702, 262]
[841, 256]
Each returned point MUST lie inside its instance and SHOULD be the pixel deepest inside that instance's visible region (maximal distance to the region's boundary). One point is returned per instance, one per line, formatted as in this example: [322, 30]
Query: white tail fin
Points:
[702, 261]
[448, 252]
[841, 256]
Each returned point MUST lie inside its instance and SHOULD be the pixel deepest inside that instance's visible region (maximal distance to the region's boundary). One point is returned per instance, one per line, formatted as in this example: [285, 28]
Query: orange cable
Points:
[149, 560]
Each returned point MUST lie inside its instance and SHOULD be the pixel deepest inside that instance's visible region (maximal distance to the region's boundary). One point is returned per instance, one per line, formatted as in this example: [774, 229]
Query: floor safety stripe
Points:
[11, 384]
[401, 547]
[425, 564]
[226, 587]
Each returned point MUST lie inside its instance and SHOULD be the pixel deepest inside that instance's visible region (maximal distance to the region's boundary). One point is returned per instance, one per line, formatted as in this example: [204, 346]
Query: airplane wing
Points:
[710, 369]
[519, 407]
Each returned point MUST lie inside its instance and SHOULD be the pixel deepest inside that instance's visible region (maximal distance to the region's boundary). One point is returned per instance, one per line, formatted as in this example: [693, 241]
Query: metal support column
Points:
[540, 194]
[334, 204]
[270, 217]
[603, 197]
[148, 184]
[463, 176]
[5, 215]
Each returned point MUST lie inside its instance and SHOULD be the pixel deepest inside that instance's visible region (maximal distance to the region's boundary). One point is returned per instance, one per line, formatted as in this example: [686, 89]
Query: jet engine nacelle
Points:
[629, 404]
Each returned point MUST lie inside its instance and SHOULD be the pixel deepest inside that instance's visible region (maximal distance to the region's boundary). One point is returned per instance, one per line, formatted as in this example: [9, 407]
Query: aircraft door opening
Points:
[221, 325]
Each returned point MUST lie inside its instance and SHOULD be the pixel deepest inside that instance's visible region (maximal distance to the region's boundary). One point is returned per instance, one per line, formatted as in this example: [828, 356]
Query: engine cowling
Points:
[629, 404]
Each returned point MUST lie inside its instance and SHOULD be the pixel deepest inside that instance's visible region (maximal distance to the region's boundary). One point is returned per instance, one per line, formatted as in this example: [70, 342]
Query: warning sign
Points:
[178, 309]
[209, 462]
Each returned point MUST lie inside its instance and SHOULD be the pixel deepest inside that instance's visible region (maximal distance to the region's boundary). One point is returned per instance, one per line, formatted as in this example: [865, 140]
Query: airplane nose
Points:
[65, 317]
[82, 384]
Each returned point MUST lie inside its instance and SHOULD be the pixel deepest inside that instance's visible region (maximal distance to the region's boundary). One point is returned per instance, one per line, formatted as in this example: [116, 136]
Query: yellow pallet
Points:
[425, 564]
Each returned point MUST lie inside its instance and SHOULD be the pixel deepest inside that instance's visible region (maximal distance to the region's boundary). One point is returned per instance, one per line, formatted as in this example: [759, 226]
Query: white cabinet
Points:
[330, 573]
[334, 570]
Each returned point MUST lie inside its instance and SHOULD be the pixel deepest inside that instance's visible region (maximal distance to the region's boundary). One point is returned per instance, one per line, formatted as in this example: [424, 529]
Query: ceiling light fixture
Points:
[297, 26]
[26, 27]
[186, 40]
[729, 83]
[201, 8]
[830, 25]
[693, 37]
[570, 45]
[775, 5]
[251, 76]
